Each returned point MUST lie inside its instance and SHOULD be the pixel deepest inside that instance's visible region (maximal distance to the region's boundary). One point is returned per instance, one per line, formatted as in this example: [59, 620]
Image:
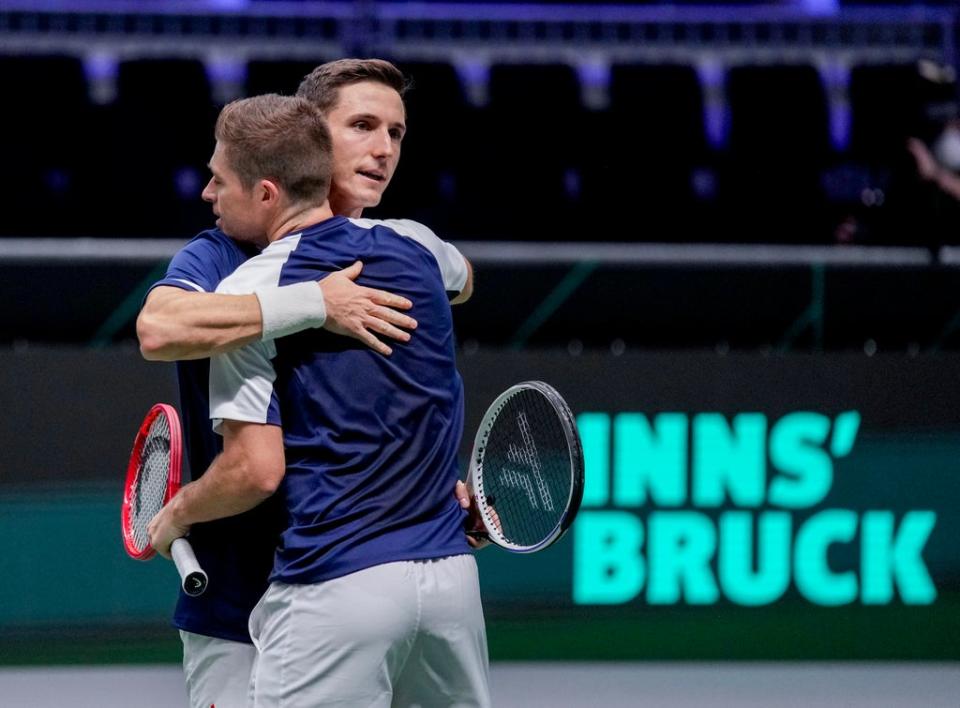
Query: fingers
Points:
[367, 338]
[363, 329]
[382, 297]
[362, 313]
[387, 329]
[478, 541]
[476, 533]
[364, 326]
[353, 271]
[157, 537]
[478, 537]
[462, 494]
[393, 317]
[495, 517]
[385, 322]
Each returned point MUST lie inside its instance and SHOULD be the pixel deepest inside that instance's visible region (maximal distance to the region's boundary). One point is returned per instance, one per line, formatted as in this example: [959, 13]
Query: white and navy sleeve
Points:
[453, 265]
[241, 386]
[242, 381]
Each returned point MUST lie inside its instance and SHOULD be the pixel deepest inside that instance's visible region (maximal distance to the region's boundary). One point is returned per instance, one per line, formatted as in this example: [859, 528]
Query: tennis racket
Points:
[526, 468]
[153, 477]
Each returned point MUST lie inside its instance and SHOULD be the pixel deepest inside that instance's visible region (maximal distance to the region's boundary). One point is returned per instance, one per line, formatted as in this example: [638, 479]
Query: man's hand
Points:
[927, 166]
[163, 530]
[359, 312]
[474, 523]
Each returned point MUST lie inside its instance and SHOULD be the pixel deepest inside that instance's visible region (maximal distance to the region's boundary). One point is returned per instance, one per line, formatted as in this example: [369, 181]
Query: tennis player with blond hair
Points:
[374, 597]
[183, 318]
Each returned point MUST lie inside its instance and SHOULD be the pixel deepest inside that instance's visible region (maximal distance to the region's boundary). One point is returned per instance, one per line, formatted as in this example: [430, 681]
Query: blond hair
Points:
[281, 138]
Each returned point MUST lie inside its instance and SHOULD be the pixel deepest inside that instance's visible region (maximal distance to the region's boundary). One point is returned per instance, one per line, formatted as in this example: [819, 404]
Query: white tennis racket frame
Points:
[475, 469]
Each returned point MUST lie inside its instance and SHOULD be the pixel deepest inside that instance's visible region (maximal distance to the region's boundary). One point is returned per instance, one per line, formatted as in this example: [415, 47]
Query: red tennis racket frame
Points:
[173, 479]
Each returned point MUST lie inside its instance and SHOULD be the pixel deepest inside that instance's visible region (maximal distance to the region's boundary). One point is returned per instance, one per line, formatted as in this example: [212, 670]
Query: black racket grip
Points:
[195, 583]
[193, 579]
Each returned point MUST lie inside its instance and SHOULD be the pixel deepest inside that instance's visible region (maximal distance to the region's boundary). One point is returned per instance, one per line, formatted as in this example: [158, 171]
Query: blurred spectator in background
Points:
[935, 151]
[941, 165]
[914, 194]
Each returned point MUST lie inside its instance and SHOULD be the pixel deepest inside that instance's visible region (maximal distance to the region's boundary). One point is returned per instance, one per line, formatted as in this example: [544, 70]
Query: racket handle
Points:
[194, 580]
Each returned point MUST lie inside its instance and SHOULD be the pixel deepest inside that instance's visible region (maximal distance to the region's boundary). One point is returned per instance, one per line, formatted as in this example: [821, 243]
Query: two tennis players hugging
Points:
[325, 504]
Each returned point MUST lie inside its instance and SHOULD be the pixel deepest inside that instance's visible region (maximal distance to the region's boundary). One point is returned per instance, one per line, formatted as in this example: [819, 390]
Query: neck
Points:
[296, 218]
[341, 208]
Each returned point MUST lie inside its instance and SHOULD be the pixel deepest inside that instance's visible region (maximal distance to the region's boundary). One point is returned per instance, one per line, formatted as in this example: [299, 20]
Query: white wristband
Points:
[291, 308]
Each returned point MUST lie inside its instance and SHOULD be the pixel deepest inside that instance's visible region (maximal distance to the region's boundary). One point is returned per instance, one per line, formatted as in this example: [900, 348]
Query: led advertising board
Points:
[757, 506]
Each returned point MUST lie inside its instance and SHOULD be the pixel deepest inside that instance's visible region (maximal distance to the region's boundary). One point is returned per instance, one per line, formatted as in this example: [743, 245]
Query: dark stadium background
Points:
[665, 204]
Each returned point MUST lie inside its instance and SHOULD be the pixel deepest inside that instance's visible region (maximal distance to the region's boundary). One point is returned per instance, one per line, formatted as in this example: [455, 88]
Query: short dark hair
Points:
[280, 138]
[322, 85]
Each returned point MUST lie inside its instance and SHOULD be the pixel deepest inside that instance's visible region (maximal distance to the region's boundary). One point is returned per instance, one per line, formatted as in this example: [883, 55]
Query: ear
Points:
[268, 191]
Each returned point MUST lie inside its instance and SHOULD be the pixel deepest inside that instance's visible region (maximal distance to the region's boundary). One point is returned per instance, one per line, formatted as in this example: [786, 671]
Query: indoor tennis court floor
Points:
[558, 685]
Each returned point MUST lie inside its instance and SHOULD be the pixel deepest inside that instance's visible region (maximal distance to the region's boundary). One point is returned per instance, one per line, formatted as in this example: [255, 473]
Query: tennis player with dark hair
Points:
[374, 597]
[179, 322]
[176, 324]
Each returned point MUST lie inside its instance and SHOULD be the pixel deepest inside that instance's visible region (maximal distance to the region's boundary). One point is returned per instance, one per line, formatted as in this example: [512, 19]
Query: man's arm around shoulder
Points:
[177, 324]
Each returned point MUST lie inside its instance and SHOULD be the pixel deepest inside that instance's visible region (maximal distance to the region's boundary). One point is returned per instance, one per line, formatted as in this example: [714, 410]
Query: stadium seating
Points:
[46, 142]
[779, 145]
[522, 158]
[277, 75]
[441, 132]
[165, 114]
[520, 164]
[648, 159]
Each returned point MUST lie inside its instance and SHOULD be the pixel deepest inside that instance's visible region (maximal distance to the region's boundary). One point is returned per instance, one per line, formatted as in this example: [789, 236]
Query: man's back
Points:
[370, 441]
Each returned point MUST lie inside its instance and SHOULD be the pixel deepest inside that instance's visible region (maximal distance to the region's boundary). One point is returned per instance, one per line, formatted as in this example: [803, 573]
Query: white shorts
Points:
[217, 671]
[399, 634]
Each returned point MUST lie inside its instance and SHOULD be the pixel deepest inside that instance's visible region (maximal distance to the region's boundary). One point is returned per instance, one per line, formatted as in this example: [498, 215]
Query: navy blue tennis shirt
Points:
[371, 441]
[238, 552]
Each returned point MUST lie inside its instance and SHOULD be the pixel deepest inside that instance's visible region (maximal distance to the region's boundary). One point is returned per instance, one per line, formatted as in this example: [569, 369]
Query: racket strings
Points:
[151, 484]
[526, 468]
[528, 455]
